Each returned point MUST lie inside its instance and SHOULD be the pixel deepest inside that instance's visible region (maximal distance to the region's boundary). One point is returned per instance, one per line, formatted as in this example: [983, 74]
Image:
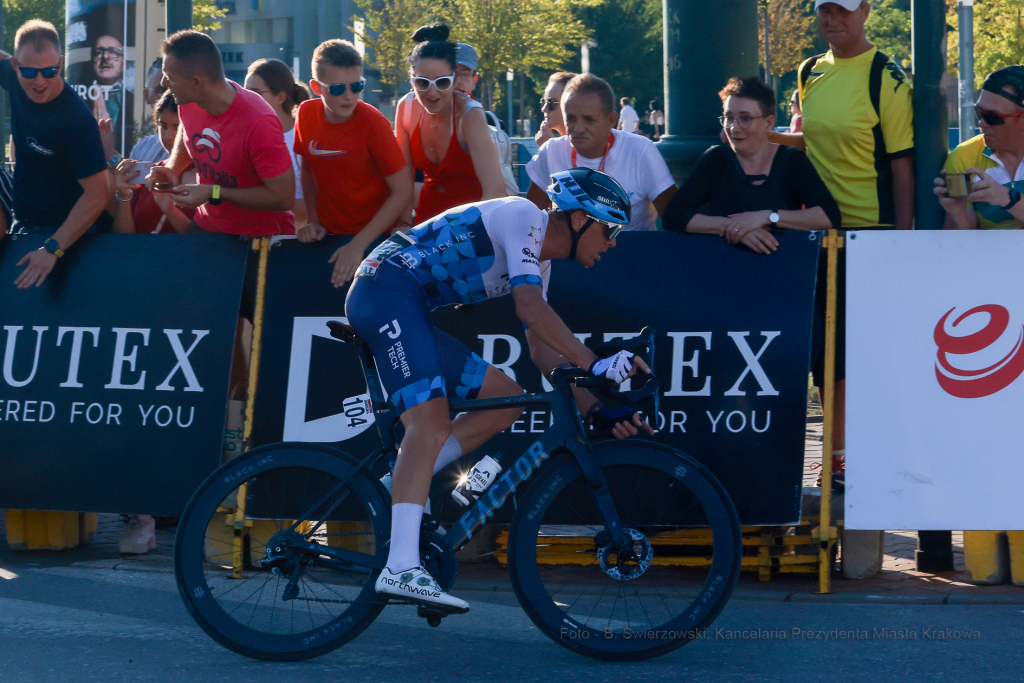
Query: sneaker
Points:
[139, 536]
[838, 473]
[386, 480]
[473, 483]
[416, 585]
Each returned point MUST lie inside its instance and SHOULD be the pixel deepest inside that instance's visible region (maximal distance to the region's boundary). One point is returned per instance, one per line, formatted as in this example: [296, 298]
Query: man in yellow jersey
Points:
[994, 158]
[858, 133]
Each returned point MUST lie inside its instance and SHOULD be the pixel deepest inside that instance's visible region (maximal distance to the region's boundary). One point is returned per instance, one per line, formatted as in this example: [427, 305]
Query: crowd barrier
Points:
[126, 352]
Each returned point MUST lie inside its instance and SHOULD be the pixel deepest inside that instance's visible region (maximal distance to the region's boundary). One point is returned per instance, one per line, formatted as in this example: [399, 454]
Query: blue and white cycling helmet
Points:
[596, 194]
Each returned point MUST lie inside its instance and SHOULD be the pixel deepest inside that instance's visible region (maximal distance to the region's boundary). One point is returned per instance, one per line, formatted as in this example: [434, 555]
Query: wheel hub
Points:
[630, 563]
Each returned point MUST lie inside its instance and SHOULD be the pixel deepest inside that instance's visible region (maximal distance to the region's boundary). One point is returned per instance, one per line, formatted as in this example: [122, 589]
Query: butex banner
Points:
[935, 353]
[733, 343]
[115, 371]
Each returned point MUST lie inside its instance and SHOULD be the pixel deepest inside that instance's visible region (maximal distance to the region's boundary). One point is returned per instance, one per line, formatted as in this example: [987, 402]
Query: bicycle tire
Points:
[282, 481]
[554, 559]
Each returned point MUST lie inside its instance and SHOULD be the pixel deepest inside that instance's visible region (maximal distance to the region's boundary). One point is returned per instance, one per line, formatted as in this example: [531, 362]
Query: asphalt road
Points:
[73, 623]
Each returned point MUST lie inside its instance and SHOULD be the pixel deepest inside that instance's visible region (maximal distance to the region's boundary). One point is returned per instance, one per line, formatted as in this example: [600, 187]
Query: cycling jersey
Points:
[471, 253]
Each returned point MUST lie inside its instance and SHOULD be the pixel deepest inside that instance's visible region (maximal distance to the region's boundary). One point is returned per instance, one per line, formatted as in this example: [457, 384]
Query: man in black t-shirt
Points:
[60, 179]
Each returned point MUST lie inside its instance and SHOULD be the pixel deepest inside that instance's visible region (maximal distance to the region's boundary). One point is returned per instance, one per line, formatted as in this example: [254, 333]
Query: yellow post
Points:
[825, 536]
[262, 246]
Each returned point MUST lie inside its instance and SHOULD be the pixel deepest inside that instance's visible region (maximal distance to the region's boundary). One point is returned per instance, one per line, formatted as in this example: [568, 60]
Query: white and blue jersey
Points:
[468, 254]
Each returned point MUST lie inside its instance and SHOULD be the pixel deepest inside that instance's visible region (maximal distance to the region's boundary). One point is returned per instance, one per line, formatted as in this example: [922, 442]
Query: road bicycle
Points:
[278, 550]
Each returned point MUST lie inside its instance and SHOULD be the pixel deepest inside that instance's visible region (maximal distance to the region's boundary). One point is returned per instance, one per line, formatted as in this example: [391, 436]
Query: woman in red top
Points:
[446, 136]
[136, 208]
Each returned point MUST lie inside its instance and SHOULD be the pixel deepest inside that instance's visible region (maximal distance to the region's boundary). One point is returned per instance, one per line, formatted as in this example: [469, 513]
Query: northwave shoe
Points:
[416, 585]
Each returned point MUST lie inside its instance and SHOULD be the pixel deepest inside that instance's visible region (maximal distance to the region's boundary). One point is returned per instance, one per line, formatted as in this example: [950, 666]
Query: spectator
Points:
[60, 181]
[449, 139]
[994, 202]
[353, 172]
[628, 118]
[796, 121]
[137, 209]
[151, 147]
[465, 68]
[551, 105]
[744, 191]
[656, 119]
[272, 80]
[858, 133]
[593, 142]
[235, 140]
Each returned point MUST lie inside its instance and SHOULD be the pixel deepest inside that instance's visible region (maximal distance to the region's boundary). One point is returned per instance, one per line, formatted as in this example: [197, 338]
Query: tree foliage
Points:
[791, 29]
[387, 28]
[998, 36]
[205, 14]
[888, 27]
[17, 12]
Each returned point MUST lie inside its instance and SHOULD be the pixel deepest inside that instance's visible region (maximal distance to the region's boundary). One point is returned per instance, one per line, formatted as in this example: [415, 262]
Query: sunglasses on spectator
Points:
[992, 118]
[101, 52]
[442, 83]
[337, 89]
[549, 104]
[737, 122]
[28, 73]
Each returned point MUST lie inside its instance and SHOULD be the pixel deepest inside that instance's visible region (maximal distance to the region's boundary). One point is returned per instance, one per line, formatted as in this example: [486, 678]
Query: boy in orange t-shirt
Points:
[353, 172]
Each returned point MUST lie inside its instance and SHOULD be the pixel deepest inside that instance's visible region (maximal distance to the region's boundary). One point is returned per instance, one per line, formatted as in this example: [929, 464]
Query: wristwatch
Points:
[114, 160]
[1014, 198]
[215, 196]
[53, 246]
[773, 219]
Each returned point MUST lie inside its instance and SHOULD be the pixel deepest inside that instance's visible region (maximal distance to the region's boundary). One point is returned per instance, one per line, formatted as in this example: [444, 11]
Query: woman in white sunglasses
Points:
[443, 133]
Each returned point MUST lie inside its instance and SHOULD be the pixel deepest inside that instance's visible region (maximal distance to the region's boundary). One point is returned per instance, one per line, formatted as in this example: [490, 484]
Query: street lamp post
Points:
[968, 118]
[510, 76]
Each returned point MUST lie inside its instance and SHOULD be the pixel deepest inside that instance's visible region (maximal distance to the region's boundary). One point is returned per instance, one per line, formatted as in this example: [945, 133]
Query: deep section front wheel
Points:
[302, 603]
[683, 562]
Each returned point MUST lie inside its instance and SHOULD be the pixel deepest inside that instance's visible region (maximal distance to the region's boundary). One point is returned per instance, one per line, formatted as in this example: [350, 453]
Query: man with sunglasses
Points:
[60, 181]
[995, 159]
[354, 176]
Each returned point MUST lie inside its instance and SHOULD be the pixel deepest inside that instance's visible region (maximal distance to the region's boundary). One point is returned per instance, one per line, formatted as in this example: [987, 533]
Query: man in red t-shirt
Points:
[353, 171]
[247, 185]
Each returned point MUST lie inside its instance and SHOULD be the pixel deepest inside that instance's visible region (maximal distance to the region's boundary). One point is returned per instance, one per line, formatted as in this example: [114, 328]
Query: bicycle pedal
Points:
[433, 616]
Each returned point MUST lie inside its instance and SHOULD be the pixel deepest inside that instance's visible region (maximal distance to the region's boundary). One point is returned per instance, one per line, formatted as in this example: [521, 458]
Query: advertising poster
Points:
[101, 62]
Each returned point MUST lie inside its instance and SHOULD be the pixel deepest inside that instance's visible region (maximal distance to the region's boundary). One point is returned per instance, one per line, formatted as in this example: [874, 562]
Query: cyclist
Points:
[466, 255]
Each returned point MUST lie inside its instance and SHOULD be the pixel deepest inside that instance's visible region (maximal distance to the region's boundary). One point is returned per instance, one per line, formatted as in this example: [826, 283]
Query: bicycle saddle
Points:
[340, 330]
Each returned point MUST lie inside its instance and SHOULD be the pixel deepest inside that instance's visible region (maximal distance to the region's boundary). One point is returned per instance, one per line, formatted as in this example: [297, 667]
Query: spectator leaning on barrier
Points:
[994, 201]
[235, 140]
[745, 190]
[136, 209]
[272, 80]
[447, 136]
[551, 105]
[858, 133]
[628, 118]
[593, 142]
[353, 173]
[796, 120]
[60, 180]
[150, 148]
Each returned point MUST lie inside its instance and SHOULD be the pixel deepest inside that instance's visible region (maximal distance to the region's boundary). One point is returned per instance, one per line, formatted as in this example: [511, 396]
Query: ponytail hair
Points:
[432, 42]
[278, 77]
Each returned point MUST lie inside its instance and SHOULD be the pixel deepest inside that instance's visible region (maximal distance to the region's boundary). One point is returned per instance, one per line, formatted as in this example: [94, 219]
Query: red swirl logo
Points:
[983, 381]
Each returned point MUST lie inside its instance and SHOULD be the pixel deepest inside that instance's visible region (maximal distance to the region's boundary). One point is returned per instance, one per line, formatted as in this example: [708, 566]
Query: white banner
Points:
[934, 357]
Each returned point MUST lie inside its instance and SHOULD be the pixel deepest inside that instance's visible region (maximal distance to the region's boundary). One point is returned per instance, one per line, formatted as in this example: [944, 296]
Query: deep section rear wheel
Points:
[299, 608]
[685, 559]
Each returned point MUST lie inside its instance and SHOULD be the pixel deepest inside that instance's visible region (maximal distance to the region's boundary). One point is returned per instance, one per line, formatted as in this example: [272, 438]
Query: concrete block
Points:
[987, 556]
[862, 552]
[1015, 541]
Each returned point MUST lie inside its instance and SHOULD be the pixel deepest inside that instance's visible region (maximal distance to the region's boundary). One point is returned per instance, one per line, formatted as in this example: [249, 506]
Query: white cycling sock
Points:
[450, 452]
[405, 536]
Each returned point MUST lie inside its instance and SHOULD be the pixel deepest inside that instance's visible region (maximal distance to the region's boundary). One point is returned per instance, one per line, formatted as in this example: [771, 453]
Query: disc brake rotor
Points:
[622, 568]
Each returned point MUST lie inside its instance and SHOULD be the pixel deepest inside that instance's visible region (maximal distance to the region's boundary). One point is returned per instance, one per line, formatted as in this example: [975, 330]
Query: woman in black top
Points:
[744, 190]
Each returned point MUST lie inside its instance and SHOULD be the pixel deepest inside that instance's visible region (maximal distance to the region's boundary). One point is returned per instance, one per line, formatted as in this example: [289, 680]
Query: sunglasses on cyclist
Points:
[992, 118]
[28, 73]
[336, 89]
[549, 104]
[613, 229]
[423, 84]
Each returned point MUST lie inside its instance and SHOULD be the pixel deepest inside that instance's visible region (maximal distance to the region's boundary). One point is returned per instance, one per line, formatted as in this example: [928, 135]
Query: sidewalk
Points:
[896, 582]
